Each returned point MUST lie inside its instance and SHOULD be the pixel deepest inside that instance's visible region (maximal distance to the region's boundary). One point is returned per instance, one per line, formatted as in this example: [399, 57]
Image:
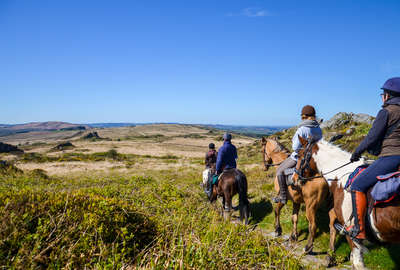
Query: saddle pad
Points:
[354, 175]
[387, 188]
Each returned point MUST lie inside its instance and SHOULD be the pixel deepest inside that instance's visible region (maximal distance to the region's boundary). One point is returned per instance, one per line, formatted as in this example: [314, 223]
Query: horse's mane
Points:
[330, 157]
[279, 147]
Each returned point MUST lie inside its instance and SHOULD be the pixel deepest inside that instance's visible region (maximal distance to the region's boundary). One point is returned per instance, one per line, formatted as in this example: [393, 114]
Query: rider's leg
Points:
[360, 187]
[280, 173]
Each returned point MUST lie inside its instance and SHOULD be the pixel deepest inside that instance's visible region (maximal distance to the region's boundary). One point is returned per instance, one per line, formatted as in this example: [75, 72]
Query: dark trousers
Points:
[381, 166]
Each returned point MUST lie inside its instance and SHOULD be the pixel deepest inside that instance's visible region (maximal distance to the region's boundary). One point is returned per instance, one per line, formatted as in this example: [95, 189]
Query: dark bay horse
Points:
[383, 221]
[230, 183]
[312, 194]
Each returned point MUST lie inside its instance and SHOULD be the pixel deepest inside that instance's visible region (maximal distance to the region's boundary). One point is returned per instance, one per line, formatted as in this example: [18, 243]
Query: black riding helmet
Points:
[211, 146]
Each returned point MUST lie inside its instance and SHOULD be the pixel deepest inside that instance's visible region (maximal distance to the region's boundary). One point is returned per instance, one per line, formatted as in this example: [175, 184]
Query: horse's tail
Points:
[241, 182]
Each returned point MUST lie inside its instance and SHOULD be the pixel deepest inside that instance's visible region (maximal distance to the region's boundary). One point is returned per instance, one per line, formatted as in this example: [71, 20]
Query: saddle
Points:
[384, 191]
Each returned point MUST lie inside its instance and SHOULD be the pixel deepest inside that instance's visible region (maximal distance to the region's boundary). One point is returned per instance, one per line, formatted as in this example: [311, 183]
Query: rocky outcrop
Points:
[342, 118]
[92, 135]
[64, 146]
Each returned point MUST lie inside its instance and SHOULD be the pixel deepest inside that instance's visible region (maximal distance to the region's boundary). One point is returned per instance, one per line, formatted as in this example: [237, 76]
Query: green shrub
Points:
[45, 229]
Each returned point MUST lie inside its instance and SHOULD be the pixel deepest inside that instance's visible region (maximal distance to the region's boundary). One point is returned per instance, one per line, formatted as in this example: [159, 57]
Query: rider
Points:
[211, 156]
[309, 129]
[385, 132]
[226, 159]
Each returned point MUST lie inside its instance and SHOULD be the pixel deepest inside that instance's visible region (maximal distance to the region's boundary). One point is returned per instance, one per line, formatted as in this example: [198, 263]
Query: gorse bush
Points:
[42, 229]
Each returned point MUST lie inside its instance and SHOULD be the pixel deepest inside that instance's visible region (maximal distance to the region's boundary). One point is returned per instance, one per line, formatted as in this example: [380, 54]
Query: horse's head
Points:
[306, 166]
[265, 150]
[271, 149]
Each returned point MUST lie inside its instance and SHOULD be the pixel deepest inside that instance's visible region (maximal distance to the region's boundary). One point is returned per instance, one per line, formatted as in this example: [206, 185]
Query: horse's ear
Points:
[302, 141]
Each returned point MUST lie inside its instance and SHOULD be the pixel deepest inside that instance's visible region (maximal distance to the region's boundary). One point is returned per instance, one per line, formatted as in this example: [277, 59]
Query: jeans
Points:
[381, 166]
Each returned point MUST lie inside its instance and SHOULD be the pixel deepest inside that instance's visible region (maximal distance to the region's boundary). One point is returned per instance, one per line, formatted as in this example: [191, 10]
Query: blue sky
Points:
[227, 62]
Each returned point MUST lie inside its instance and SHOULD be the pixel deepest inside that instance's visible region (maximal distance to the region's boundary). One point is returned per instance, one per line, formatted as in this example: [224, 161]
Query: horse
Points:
[273, 152]
[230, 183]
[382, 221]
[312, 194]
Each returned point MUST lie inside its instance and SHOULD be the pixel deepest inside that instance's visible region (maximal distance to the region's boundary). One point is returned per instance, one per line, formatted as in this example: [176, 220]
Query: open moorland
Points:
[130, 198]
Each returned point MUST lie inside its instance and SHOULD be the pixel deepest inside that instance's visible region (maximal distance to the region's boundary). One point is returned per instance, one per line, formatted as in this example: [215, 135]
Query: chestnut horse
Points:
[383, 221]
[273, 152]
[312, 193]
[230, 183]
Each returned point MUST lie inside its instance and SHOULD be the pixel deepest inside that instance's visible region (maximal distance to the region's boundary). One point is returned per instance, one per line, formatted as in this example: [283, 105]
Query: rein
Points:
[322, 174]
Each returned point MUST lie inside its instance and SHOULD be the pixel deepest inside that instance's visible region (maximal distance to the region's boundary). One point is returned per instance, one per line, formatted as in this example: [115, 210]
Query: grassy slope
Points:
[189, 232]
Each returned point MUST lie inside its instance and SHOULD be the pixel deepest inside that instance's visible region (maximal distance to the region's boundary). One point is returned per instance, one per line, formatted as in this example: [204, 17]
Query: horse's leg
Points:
[278, 228]
[295, 215]
[358, 257]
[244, 213]
[312, 226]
[228, 203]
[330, 258]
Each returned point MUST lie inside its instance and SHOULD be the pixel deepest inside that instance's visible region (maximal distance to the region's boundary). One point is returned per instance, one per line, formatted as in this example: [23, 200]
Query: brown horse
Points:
[230, 183]
[312, 193]
[383, 221]
[273, 152]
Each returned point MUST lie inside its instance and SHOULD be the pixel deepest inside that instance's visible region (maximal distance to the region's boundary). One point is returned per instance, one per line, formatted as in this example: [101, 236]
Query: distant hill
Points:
[253, 131]
[39, 126]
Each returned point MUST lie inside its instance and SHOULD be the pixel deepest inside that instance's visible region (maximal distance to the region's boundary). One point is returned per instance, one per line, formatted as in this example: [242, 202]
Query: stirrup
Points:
[351, 233]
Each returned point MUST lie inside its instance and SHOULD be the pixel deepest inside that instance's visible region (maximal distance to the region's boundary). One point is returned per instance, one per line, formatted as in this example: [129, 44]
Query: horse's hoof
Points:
[308, 250]
[278, 232]
[293, 237]
[330, 261]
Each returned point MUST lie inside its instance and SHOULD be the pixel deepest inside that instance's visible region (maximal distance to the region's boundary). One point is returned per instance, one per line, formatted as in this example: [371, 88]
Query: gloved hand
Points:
[355, 157]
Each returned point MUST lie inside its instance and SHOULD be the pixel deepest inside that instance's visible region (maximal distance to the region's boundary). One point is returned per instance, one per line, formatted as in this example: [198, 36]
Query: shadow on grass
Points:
[260, 209]
[394, 251]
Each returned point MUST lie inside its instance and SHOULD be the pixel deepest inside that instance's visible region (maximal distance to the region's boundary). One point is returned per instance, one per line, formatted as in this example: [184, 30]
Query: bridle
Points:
[305, 163]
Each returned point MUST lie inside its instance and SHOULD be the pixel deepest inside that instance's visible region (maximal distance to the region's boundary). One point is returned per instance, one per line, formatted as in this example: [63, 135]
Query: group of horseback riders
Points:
[383, 140]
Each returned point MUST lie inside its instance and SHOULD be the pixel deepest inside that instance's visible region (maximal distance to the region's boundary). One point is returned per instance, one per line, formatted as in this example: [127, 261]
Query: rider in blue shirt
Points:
[226, 159]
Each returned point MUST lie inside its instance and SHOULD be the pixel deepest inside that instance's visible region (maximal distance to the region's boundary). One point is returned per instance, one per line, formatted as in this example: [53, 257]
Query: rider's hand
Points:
[355, 157]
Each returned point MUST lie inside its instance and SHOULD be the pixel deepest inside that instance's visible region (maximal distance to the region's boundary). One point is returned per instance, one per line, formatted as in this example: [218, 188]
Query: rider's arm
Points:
[296, 144]
[236, 156]
[219, 162]
[376, 133]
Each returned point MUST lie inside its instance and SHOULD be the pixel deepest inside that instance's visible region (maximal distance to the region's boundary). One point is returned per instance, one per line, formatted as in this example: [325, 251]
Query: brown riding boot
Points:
[359, 201]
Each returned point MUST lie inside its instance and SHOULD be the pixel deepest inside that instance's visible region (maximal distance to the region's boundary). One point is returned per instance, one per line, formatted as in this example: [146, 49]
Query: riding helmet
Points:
[392, 86]
[308, 110]
[211, 146]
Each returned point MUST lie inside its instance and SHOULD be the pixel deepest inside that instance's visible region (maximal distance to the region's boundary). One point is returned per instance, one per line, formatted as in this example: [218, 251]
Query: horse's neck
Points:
[278, 156]
[330, 157]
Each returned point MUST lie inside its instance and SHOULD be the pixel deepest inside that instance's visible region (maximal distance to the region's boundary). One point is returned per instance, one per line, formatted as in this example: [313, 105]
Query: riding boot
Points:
[359, 201]
[282, 198]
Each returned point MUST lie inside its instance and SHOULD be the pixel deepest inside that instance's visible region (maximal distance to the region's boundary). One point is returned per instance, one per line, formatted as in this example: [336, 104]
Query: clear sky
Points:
[210, 61]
